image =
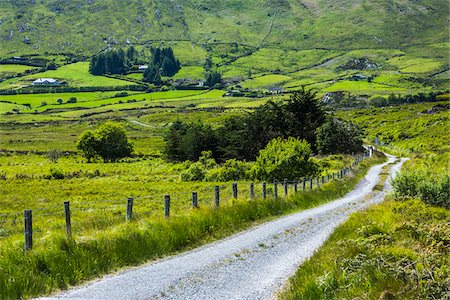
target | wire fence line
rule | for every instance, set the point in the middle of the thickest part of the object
(138, 207)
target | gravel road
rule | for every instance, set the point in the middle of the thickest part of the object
(250, 265)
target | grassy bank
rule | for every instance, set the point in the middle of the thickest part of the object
(395, 250)
(399, 249)
(61, 262)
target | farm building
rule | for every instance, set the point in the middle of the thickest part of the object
(46, 81)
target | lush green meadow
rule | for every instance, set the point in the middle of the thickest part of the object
(40, 168)
(76, 75)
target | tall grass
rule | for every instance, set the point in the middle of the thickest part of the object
(60, 261)
(396, 250)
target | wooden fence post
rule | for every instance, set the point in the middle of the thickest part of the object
(264, 190)
(310, 184)
(166, 206)
(252, 190)
(235, 190)
(295, 186)
(304, 184)
(28, 232)
(323, 180)
(67, 217)
(275, 189)
(129, 216)
(217, 196)
(194, 200)
(285, 185)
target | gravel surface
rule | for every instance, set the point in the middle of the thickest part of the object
(251, 265)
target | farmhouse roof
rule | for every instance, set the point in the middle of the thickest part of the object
(46, 80)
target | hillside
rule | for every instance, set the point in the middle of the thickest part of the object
(396, 46)
(79, 26)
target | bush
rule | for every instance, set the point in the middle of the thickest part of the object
(282, 158)
(110, 142)
(197, 170)
(231, 170)
(121, 94)
(55, 174)
(336, 136)
(431, 190)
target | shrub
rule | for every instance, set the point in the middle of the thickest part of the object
(121, 94)
(232, 169)
(55, 174)
(197, 170)
(431, 190)
(336, 136)
(109, 141)
(284, 158)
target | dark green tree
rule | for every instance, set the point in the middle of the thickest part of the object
(337, 136)
(109, 141)
(304, 115)
(187, 141)
(213, 78)
(152, 75)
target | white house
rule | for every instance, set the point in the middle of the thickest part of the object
(46, 81)
(142, 67)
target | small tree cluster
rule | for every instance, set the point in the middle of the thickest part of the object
(188, 141)
(152, 75)
(284, 158)
(166, 61)
(213, 78)
(109, 141)
(337, 136)
(243, 137)
(109, 62)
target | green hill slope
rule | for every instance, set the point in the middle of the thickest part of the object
(28, 26)
(398, 46)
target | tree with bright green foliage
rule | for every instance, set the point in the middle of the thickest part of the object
(284, 158)
(109, 141)
(337, 136)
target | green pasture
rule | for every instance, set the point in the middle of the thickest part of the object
(190, 72)
(412, 64)
(135, 76)
(363, 87)
(12, 69)
(265, 81)
(36, 100)
(76, 75)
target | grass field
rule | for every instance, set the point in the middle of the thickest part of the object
(76, 75)
(13, 69)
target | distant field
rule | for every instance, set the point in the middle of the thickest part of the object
(265, 81)
(362, 87)
(76, 75)
(190, 72)
(36, 100)
(14, 68)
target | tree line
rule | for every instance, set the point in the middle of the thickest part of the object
(118, 61)
(242, 138)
